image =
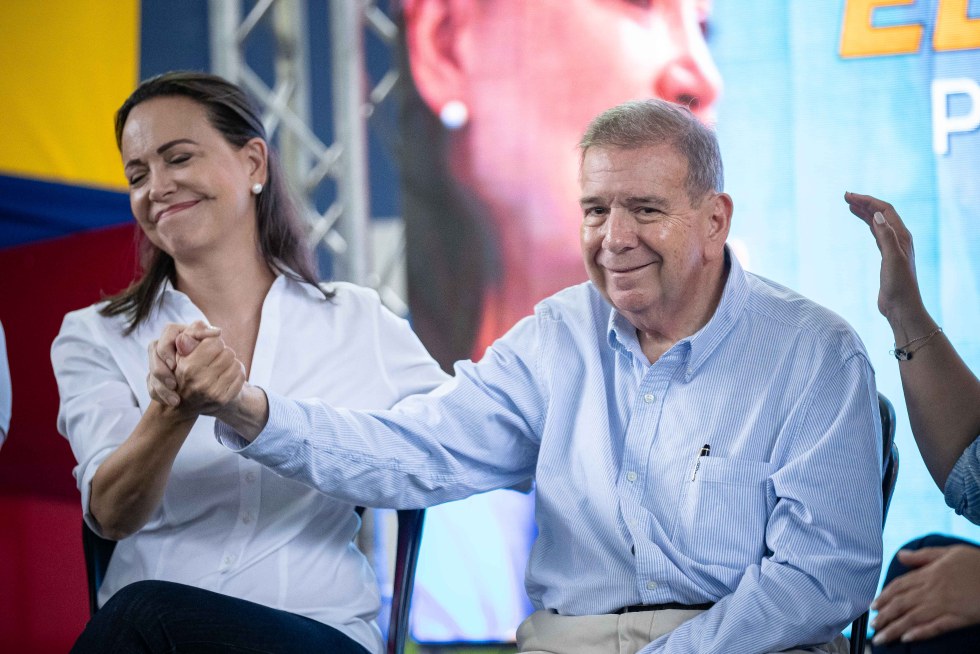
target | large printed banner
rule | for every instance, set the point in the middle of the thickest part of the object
(810, 99)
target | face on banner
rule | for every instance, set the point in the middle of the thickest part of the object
(545, 69)
(531, 76)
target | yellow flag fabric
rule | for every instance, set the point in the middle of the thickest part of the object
(68, 65)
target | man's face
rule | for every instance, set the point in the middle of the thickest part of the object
(539, 71)
(646, 247)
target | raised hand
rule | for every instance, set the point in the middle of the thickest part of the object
(899, 295)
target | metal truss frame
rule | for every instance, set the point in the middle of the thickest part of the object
(344, 228)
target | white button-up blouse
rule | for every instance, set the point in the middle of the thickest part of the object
(228, 524)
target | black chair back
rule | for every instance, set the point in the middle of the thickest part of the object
(97, 551)
(889, 459)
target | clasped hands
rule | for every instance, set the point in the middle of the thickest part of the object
(193, 372)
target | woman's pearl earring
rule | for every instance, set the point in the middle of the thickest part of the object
(256, 188)
(454, 114)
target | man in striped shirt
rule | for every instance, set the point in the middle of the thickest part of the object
(705, 443)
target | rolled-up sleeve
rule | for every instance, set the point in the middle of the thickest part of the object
(962, 490)
(98, 409)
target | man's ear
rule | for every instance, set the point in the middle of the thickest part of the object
(719, 222)
(435, 35)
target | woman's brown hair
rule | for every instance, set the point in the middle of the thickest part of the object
(231, 112)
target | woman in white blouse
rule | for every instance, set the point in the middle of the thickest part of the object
(221, 245)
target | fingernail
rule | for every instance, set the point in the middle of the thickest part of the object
(877, 640)
(170, 363)
(879, 217)
(171, 384)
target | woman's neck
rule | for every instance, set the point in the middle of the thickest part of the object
(226, 287)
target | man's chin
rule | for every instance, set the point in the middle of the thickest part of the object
(629, 301)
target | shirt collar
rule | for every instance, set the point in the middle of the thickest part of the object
(621, 334)
(281, 281)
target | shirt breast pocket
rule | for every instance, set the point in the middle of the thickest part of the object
(722, 515)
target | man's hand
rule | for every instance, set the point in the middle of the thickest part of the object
(940, 595)
(209, 377)
(176, 341)
(899, 290)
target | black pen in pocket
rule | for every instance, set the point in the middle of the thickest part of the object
(705, 451)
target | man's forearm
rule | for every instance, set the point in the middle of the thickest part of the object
(248, 413)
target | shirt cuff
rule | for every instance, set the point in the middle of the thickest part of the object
(277, 440)
(230, 438)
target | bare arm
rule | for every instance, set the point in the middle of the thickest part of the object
(941, 393)
(128, 486)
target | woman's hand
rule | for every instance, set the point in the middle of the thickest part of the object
(210, 376)
(939, 595)
(898, 297)
(161, 381)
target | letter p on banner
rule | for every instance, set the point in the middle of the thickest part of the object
(943, 124)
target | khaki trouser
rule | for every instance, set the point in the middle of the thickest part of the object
(545, 632)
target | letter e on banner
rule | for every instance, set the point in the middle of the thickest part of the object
(954, 29)
(860, 38)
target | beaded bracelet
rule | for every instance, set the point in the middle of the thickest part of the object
(904, 354)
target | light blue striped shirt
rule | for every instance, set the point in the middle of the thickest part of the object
(963, 484)
(780, 525)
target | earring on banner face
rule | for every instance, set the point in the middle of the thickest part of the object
(256, 188)
(454, 114)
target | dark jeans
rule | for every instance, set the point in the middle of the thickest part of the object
(966, 640)
(164, 617)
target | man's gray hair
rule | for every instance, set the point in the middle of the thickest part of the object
(645, 123)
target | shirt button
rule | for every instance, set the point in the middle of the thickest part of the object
(250, 476)
(247, 518)
(229, 560)
(631, 476)
(649, 398)
(651, 585)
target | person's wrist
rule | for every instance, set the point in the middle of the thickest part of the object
(247, 413)
(909, 321)
(175, 414)
(226, 413)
